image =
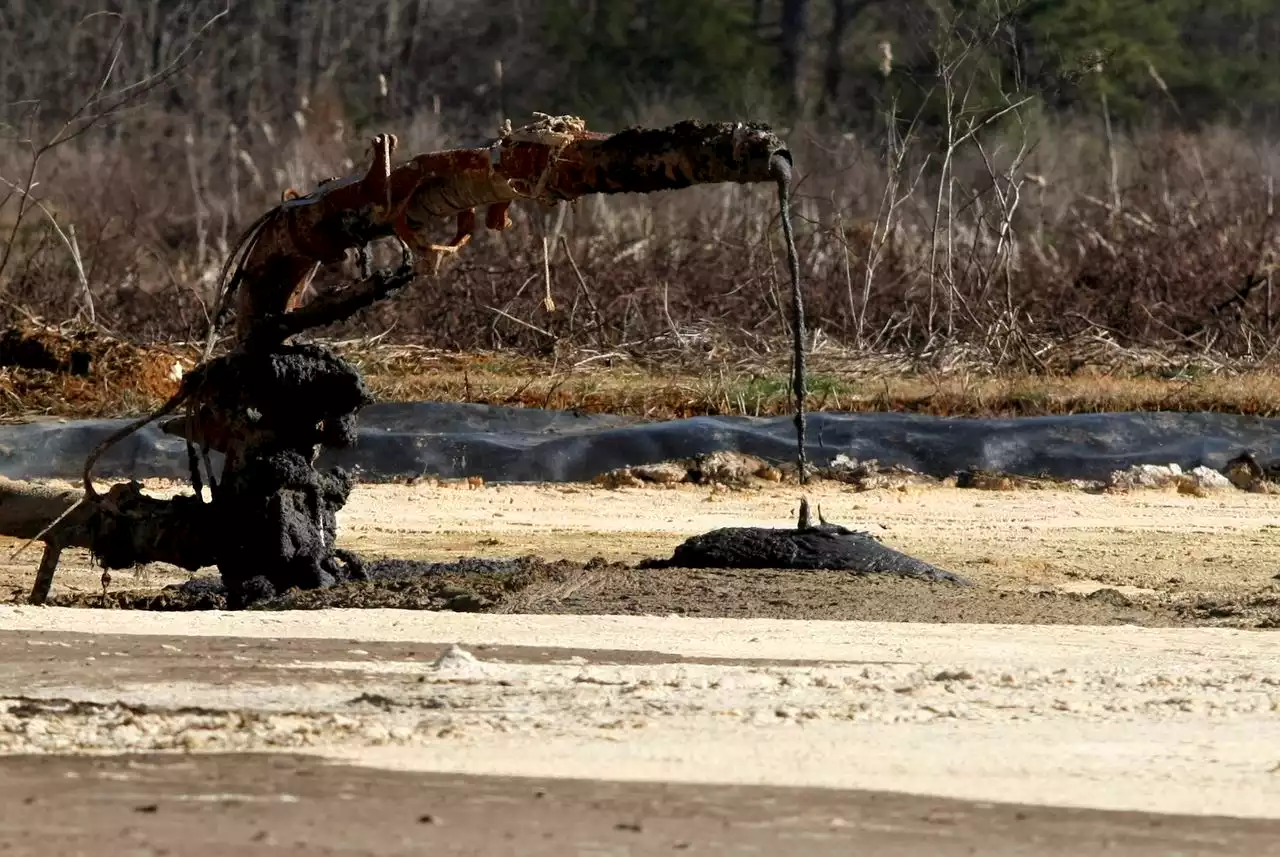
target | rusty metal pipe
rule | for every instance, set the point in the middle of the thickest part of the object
(550, 161)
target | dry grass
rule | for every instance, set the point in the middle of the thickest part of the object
(68, 371)
(1189, 266)
(835, 385)
(126, 379)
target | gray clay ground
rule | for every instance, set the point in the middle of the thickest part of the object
(1062, 707)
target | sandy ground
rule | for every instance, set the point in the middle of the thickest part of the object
(1170, 558)
(1160, 720)
(1069, 539)
(250, 805)
(1089, 712)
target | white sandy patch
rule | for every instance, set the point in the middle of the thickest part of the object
(1177, 768)
(1049, 647)
(1183, 720)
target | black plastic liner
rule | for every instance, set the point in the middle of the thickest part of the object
(398, 441)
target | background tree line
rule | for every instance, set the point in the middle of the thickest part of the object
(987, 170)
(478, 59)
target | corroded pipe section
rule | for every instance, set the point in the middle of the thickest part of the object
(122, 528)
(642, 160)
(554, 159)
(638, 160)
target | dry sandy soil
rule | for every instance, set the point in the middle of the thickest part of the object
(1028, 714)
(1049, 556)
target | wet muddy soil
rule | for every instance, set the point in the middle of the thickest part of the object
(260, 805)
(534, 585)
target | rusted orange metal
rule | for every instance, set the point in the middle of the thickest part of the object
(551, 160)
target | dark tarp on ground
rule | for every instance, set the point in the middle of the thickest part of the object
(527, 445)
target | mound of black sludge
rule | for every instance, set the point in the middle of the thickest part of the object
(807, 547)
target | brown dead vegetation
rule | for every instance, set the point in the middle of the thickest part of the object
(1186, 267)
(75, 371)
(80, 371)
